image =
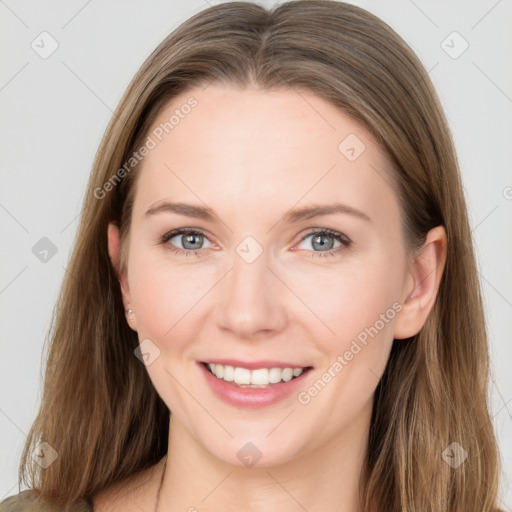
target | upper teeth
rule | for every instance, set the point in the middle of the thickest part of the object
(259, 377)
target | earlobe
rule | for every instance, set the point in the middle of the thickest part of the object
(114, 251)
(422, 284)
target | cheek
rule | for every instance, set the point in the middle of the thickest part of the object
(161, 299)
(168, 297)
(351, 297)
(167, 302)
(357, 306)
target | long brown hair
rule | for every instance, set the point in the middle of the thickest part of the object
(99, 410)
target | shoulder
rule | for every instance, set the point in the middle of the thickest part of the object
(134, 493)
(30, 501)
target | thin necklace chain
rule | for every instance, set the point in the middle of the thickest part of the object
(161, 484)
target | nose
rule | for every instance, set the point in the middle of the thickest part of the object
(254, 303)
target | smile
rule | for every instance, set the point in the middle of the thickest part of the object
(262, 385)
(257, 378)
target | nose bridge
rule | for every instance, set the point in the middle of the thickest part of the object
(252, 295)
(249, 276)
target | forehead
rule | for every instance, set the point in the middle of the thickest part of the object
(247, 148)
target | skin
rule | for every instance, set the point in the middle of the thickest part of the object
(236, 151)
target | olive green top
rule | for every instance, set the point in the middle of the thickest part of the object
(29, 501)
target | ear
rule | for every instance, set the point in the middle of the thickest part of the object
(114, 251)
(421, 284)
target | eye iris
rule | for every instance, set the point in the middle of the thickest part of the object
(190, 239)
(323, 245)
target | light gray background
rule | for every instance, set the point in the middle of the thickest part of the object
(55, 110)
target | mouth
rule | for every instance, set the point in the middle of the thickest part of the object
(256, 378)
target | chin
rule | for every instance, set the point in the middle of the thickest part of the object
(256, 451)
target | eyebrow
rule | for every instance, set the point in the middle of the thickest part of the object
(295, 215)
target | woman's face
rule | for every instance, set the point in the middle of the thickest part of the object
(259, 283)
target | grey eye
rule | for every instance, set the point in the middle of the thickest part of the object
(321, 241)
(189, 240)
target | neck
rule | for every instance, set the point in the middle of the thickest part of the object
(323, 478)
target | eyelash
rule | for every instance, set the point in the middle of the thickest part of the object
(340, 237)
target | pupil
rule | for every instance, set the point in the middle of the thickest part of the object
(323, 245)
(189, 239)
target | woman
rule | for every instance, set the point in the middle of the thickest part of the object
(326, 351)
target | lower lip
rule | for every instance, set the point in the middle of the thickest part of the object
(251, 397)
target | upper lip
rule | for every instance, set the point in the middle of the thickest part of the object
(254, 365)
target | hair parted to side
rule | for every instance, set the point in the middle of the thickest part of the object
(99, 408)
